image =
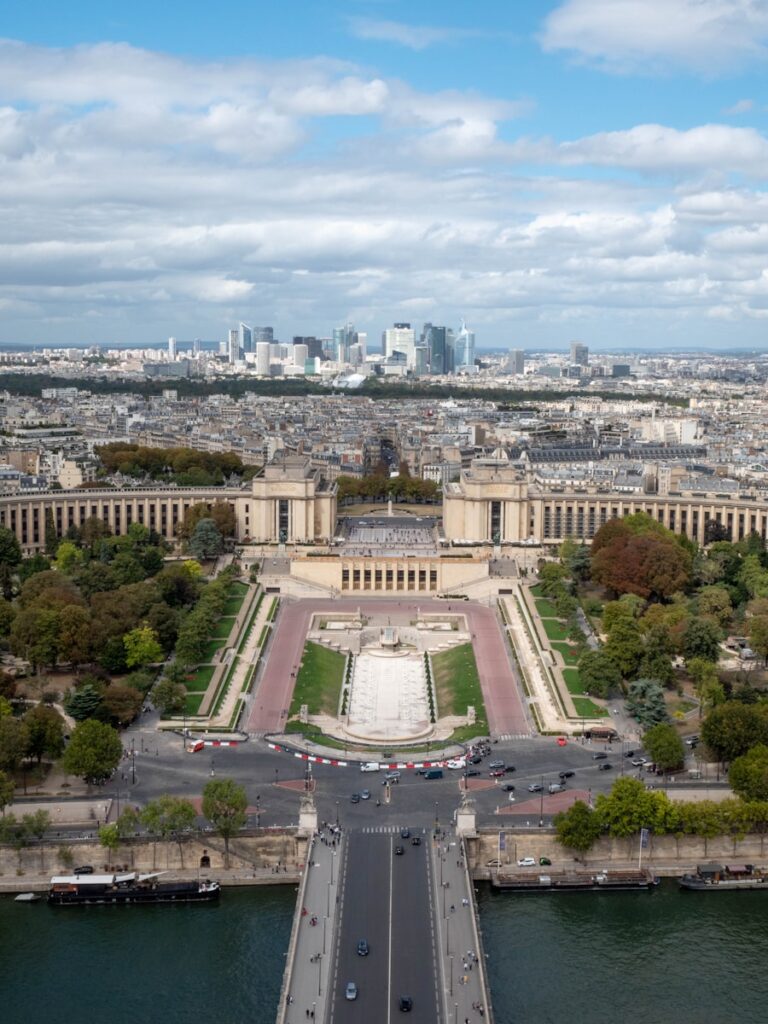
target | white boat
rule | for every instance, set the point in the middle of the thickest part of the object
(27, 897)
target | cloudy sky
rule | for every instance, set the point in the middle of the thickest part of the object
(547, 169)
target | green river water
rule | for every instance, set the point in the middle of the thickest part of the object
(586, 958)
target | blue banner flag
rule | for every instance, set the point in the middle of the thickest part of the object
(644, 837)
(502, 840)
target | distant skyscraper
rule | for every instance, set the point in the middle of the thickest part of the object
(314, 345)
(300, 355)
(263, 334)
(579, 354)
(421, 360)
(465, 347)
(171, 350)
(233, 348)
(400, 338)
(435, 338)
(262, 358)
(197, 347)
(516, 361)
(245, 339)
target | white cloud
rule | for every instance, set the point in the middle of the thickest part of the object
(651, 35)
(740, 107)
(414, 37)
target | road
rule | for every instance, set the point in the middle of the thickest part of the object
(386, 902)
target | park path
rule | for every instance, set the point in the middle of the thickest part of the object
(247, 658)
(503, 700)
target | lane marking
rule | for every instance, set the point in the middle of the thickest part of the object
(389, 952)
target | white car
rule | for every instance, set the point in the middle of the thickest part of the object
(370, 766)
(527, 862)
(458, 763)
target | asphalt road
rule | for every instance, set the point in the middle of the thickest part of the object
(386, 902)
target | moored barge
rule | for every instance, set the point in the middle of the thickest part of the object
(575, 881)
(725, 877)
(127, 888)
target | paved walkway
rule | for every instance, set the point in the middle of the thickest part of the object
(305, 986)
(462, 962)
(250, 654)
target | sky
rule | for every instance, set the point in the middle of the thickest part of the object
(548, 170)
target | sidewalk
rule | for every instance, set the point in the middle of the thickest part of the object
(464, 987)
(305, 986)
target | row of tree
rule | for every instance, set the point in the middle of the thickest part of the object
(187, 467)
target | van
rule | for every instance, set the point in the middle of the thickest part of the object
(556, 787)
(433, 773)
(369, 766)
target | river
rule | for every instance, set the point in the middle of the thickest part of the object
(584, 958)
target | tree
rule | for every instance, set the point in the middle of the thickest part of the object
(45, 728)
(625, 646)
(68, 556)
(109, 837)
(206, 541)
(169, 697)
(758, 635)
(75, 635)
(715, 603)
(51, 536)
(84, 702)
(657, 665)
(7, 787)
(643, 561)
(169, 816)
(122, 703)
(224, 805)
(578, 828)
(748, 774)
(599, 673)
(663, 743)
(628, 808)
(93, 752)
(10, 549)
(142, 647)
(14, 740)
(732, 729)
(701, 639)
(645, 700)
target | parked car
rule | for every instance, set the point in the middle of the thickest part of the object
(493, 863)
(527, 862)
(545, 861)
(84, 869)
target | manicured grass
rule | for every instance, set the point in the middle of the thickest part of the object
(210, 650)
(238, 587)
(546, 609)
(569, 652)
(199, 681)
(319, 680)
(572, 680)
(457, 685)
(537, 590)
(586, 708)
(223, 628)
(233, 605)
(192, 703)
(555, 629)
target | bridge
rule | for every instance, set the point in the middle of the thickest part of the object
(407, 895)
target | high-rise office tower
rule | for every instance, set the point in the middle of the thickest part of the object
(263, 334)
(400, 338)
(245, 339)
(516, 361)
(262, 358)
(436, 340)
(579, 354)
(171, 350)
(421, 360)
(197, 347)
(361, 339)
(314, 345)
(233, 348)
(300, 355)
(464, 347)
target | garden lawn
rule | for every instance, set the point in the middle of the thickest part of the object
(572, 681)
(233, 605)
(569, 652)
(586, 708)
(223, 628)
(555, 629)
(192, 703)
(210, 650)
(546, 609)
(537, 590)
(457, 685)
(319, 680)
(199, 681)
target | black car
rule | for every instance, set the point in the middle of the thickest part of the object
(406, 1004)
(599, 756)
(84, 869)
(509, 769)
(508, 788)
(475, 759)
(355, 798)
(399, 851)
(566, 775)
(362, 948)
(405, 833)
(471, 773)
(630, 753)
(604, 767)
(416, 841)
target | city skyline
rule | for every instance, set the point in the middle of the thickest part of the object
(577, 169)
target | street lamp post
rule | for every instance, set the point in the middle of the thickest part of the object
(213, 767)
(133, 764)
(437, 819)
(451, 977)
(277, 771)
(337, 813)
(541, 804)
(319, 972)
